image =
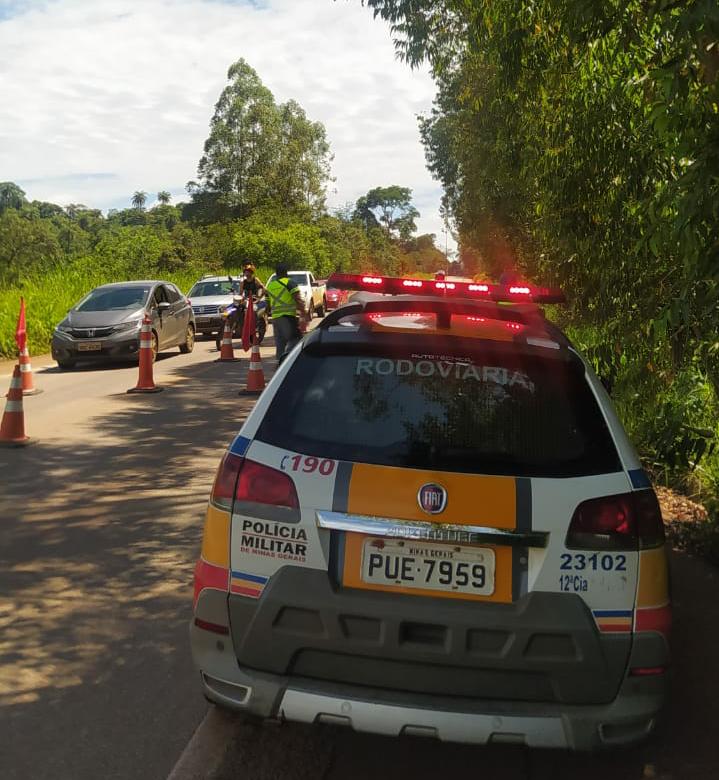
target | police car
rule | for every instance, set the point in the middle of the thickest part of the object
(433, 523)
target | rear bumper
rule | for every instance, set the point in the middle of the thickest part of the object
(626, 720)
(301, 694)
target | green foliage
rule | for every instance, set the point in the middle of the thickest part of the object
(579, 142)
(298, 245)
(25, 241)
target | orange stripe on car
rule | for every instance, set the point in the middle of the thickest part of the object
(383, 491)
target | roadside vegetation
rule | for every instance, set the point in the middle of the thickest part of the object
(578, 143)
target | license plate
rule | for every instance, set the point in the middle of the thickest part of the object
(445, 567)
(89, 346)
(202, 320)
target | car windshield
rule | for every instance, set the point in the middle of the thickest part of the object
(206, 289)
(493, 412)
(114, 298)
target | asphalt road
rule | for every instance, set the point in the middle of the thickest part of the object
(100, 525)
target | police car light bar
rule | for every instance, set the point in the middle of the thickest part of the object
(393, 285)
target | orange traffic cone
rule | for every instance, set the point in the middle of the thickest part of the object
(12, 428)
(255, 373)
(227, 353)
(28, 385)
(145, 382)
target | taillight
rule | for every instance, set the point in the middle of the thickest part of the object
(265, 485)
(650, 526)
(225, 480)
(623, 522)
(266, 493)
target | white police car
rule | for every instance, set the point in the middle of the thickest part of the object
(433, 523)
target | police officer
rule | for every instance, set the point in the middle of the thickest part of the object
(287, 311)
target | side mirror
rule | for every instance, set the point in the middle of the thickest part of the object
(163, 306)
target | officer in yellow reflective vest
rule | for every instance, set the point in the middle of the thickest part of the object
(287, 309)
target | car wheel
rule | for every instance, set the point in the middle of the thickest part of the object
(322, 309)
(311, 312)
(66, 365)
(189, 343)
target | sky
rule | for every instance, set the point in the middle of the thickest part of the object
(100, 98)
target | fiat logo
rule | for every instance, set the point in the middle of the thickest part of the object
(432, 498)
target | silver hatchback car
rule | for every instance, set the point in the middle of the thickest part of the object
(106, 323)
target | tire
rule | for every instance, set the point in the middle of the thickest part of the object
(322, 309)
(311, 312)
(189, 344)
(66, 365)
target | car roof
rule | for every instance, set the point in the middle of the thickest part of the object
(422, 316)
(134, 283)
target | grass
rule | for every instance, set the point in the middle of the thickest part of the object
(49, 297)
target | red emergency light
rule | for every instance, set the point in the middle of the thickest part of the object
(393, 285)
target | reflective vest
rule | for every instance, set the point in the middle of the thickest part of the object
(281, 299)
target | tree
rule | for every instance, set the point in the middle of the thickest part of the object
(389, 206)
(11, 196)
(139, 199)
(26, 244)
(164, 197)
(258, 154)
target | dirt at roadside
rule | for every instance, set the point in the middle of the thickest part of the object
(689, 526)
(677, 508)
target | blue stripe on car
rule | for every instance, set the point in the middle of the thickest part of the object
(639, 479)
(239, 445)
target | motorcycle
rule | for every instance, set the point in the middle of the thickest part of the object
(235, 314)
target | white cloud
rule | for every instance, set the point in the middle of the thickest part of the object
(127, 88)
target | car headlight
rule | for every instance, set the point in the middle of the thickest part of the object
(221, 309)
(64, 328)
(133, 325)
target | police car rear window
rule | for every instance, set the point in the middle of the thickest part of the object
(497, 412)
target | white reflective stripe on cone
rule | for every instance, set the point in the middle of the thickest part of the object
(13, 406)
(25, 368)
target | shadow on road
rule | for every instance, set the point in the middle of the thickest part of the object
(97, 544)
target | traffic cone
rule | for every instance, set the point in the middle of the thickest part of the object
(227, 353)
(255, 373)
(28, 385)
(145, 382)
(12, 428)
